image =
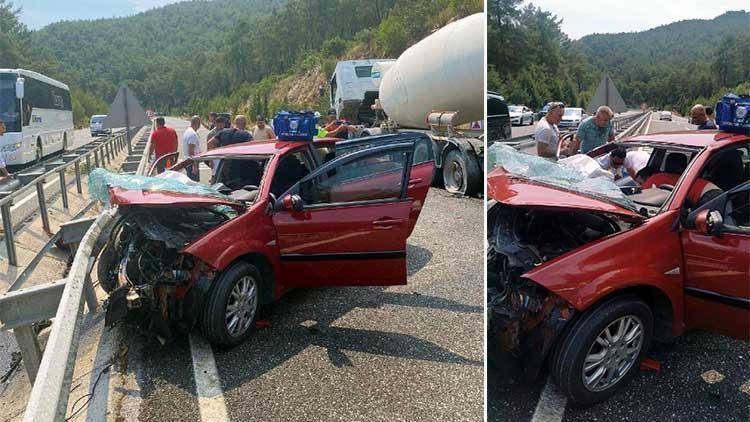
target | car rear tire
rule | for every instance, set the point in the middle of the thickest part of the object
(461, 174)
(626, 324)
(232, 305)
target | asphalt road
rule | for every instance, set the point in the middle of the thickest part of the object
(676, 393)
(404, 353)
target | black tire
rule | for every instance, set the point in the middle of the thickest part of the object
(213, 321)
(106, 268)
(461, 174)
(567, 358)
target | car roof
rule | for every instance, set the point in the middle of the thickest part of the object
(275, 146)
(690, 138)
(267, 147)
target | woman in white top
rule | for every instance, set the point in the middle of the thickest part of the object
(261, 130)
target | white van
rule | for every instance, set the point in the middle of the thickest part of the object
(96, 125)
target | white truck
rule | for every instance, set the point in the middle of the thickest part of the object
(436, 86)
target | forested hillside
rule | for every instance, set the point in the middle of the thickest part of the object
(18, 50)
(251, 56)
(671, 66)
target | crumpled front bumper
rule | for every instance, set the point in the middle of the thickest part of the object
(523, 327)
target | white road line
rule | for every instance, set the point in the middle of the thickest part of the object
(207, 383)
(551, 405)
(648, 125)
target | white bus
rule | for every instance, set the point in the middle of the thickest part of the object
(38, 116)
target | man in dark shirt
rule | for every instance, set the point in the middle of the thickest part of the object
(698, 117)
(234, 135)
(163, 142)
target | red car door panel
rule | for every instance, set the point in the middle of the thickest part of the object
(349, 245)
(717, 282)
(353, 227)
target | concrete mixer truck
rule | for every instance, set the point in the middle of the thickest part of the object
(437, 87)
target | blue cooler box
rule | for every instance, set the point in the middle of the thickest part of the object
(294, 126)
(733, 113)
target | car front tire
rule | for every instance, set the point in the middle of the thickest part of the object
(602, 350)
(231, 307)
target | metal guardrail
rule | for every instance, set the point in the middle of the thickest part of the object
(50, 372)
(621, 125)
(102, 150)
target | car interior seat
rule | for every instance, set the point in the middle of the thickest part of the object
(675, 163)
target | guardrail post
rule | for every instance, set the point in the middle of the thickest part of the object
(10, 244)
(77, 166)
(96, 157)
(88, 163)
(30, 350)
(63, 189)
(90, 295)
(42, 205)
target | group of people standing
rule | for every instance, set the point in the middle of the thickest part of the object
(221, 133)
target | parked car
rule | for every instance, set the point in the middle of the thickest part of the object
(96, 125)
(583, 276)
(287, 215)
(665, 115)
(571, 118)
(521, 115)
(498, 118)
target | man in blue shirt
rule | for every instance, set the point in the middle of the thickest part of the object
(595, 131)
(232, 135)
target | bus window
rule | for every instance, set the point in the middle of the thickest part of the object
(9, 105)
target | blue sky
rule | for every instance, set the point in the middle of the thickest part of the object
(583, 17)
(37, 13)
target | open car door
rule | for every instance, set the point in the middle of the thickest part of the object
(423, 164)
(347, 222)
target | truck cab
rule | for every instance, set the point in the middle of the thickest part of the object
(354, 89)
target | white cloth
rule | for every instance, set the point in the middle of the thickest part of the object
(190, 137)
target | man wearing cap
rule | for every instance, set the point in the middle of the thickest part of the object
(261, 131)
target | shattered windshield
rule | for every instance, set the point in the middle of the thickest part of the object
(100, 180)
(578, 173)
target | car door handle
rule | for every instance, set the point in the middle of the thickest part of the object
(413, 182)
(386, 223)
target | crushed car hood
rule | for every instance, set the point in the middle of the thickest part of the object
(523, 180)
(119, 196)
(167, 189)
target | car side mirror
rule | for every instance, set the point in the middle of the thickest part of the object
(291, 202)
(707, 222)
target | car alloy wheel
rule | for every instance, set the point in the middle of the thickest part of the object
(613, 353)
(241, 306)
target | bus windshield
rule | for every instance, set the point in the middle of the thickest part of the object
(9, 104)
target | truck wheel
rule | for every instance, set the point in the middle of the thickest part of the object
(460, 173)
(602, 350)
(232, 305)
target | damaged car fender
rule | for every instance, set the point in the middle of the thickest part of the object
(252, 231)
(648, 260)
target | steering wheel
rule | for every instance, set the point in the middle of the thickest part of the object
(666, 187)
(250, 187)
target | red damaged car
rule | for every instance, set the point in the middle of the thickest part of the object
(583, 275)
(281, 215)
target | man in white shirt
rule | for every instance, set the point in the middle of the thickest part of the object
(546, 134)
(624, 163)
(191, 146)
